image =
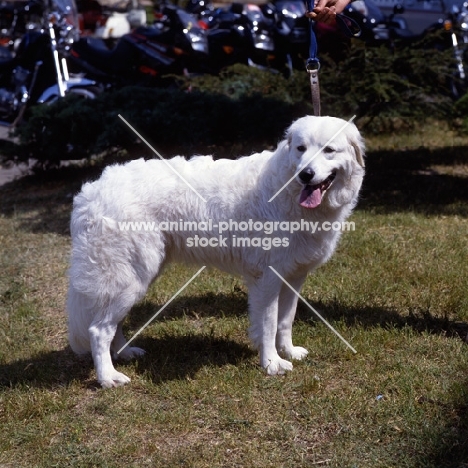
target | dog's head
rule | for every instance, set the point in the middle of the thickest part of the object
(327, 157)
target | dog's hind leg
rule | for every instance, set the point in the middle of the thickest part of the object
(101, 335)
(120, 342)
(105, 332)
(286, 313)
(263, 311)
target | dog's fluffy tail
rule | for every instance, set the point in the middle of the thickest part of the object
(79, 320)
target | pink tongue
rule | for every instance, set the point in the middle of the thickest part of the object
(310, 197)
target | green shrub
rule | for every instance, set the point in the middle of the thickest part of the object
(381, 86)
(170, 119)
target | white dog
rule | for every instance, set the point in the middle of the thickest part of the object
(244, 218)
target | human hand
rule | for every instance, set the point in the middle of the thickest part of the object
(325, 10)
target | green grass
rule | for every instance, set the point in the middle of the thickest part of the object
(395, 289)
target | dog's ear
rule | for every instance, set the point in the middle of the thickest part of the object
(288, 136)
(357, 142)
(359, 150)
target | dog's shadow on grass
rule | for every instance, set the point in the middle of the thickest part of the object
(168, 358)
(419, 320)
(176, 357)
(179, 358)
(179, 353)
(181, 350)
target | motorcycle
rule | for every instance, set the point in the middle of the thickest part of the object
(202, 9)
(36, 71)
(462, 19)
(376, 27)
(291, 34)
(240, 34)
(173, 44)
(16, 18)
(457, 26)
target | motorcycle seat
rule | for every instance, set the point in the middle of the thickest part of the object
(114, 60)
(149, 33)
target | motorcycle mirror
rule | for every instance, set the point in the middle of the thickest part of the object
(398, 9)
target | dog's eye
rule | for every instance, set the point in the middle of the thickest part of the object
(301, 148)
(328, 149)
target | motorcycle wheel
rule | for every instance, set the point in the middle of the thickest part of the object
(90, 92)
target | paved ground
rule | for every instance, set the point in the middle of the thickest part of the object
(7, 175)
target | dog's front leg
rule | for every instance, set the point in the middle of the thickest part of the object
(263, 311)
(286, 313)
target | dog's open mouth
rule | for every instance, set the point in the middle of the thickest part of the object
(311, 195)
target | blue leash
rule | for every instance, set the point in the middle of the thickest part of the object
(313, 63)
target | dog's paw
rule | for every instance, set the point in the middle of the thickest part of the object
(278, 366)
(116, 379)
(130, 353)
(296, 352)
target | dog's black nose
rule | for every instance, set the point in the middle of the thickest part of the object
(306, 175)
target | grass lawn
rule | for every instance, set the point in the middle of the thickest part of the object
(396, 289)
